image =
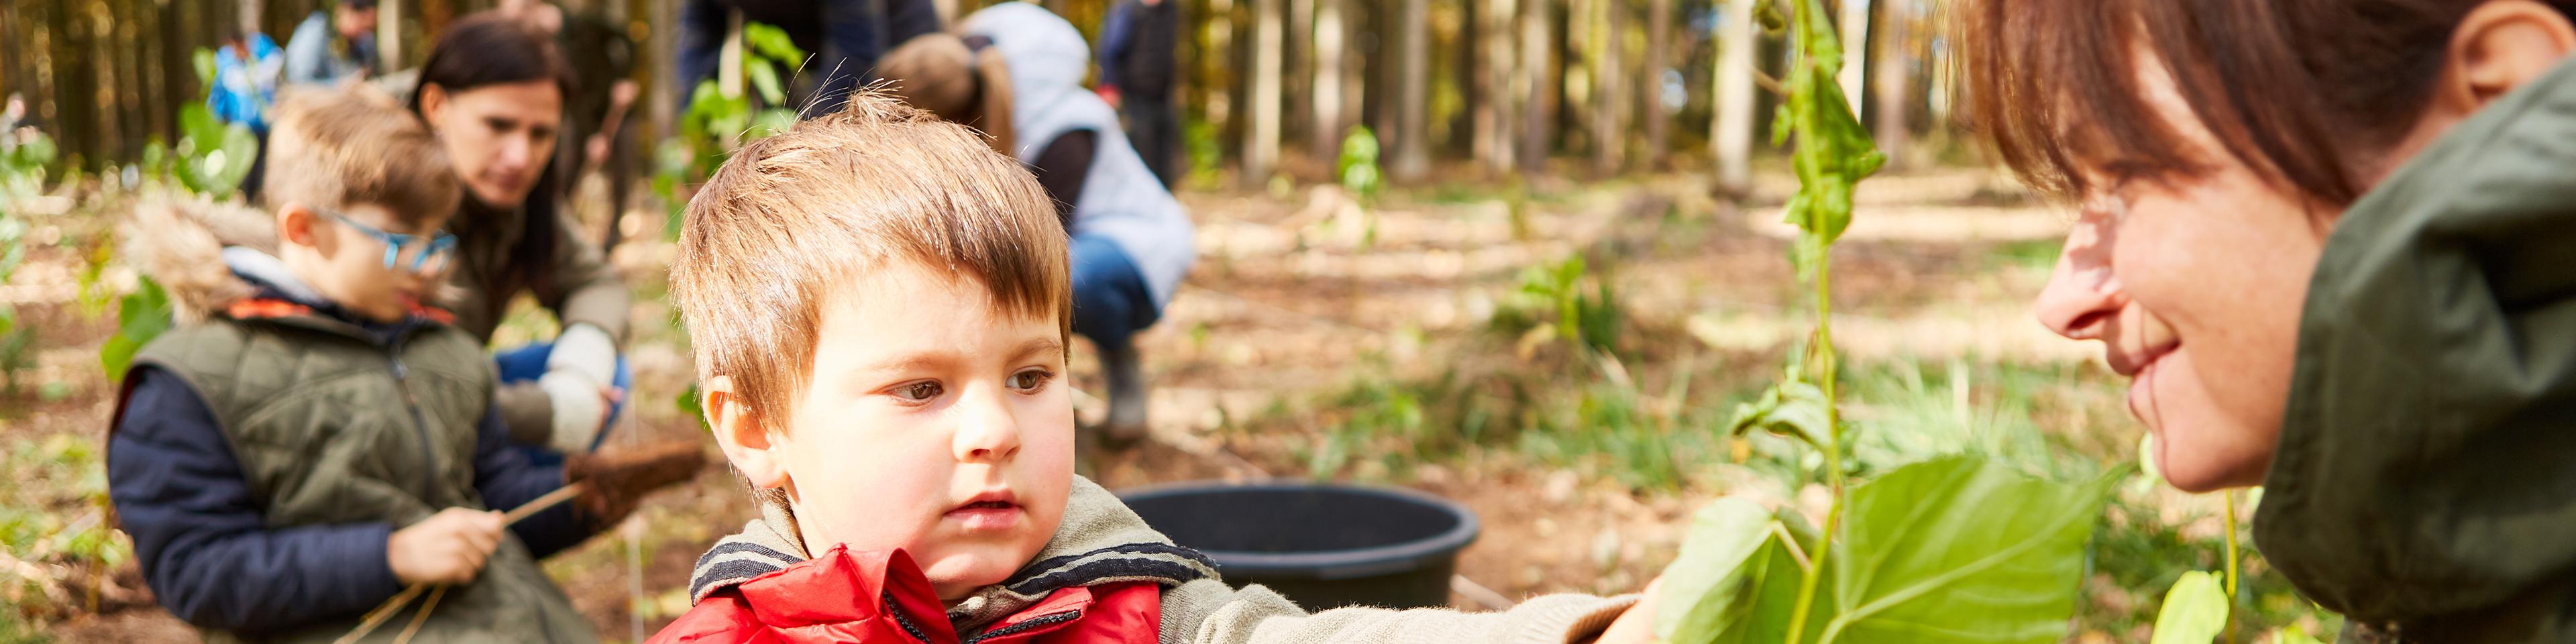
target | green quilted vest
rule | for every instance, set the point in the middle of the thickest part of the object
(331, 427)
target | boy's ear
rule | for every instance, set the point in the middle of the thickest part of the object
(746, 442)
(295, 223)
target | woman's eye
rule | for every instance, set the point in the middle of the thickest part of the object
(1030, 380)
(917, 392)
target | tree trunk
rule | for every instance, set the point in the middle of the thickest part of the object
(1297, 79)
(1609, 118)
(1731, 130)
(1537, 120)
(1890, 85)
(1261, 144)
(1412, 137)
(1323, 131)
(1650, 85)
(1854, 21)
(1498, 89)
(389, 51)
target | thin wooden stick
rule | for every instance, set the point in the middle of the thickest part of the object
(422, 617)
(382, 612)
(386, 610)
(542, 503)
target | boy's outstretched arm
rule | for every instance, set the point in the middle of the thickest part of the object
(507, 480)
(205, 547)
(1206, 611)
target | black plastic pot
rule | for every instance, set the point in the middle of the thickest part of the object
(1323, 546)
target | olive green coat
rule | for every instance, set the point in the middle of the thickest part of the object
(2425, 484)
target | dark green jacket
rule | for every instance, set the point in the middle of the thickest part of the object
(2425, 484)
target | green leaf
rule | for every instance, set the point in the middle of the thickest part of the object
(2195, 610)
(1960, 549)
(765, 79)
(1791, 408)
(2293, 635)
(141, 316)
(772, 43)
(204, 60)
(769, 122)
(240, 147)
(1710, 586)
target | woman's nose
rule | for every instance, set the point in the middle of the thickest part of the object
(2083, 293)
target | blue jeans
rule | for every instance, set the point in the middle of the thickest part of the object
(1110, 301)
(527, 363)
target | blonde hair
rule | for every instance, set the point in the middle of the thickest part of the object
(792, 217)
(341, 147)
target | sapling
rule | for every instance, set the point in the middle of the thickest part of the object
(1956, 548)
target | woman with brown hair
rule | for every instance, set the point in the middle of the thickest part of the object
(2333, 243)
(492, 90)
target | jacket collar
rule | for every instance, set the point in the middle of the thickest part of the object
(277, 295)
(1099, 542)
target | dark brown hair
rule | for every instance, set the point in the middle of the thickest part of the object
(2303, 91)
(489, 48)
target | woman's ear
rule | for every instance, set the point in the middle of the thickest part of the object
(433, 102)
(746, 442)
(2500, 46)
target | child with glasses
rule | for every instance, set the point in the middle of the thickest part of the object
(314, 436)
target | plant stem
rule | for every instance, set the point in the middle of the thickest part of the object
(2230, 497)
(1833, 450)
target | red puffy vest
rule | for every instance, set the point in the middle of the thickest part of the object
(881, 597)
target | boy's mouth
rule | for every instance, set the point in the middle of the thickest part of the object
(993, 510)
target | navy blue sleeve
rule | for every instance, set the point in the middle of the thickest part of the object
(205, 548)
(701, 37)
(508, 480)
(1114, 34)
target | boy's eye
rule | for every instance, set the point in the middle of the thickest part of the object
(917, 392)
(1030, 380)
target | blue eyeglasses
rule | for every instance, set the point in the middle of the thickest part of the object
(423, 254)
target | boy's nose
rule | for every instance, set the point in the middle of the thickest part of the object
(2082, 293)
(987, 430)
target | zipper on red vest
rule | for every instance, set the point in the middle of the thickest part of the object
(1030, 626)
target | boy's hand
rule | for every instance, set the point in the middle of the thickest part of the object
(1637, 626)
(447, 548)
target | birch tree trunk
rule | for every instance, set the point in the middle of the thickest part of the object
(1261, 147)
(1731, 129)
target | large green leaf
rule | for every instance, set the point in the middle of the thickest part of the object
(2195, 610)
(1960, 549)
(1709, 586)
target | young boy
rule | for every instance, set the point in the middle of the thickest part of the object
(311, 438)
(878, 303)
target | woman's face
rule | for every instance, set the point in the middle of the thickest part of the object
(500, 136)
(2193, 284)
